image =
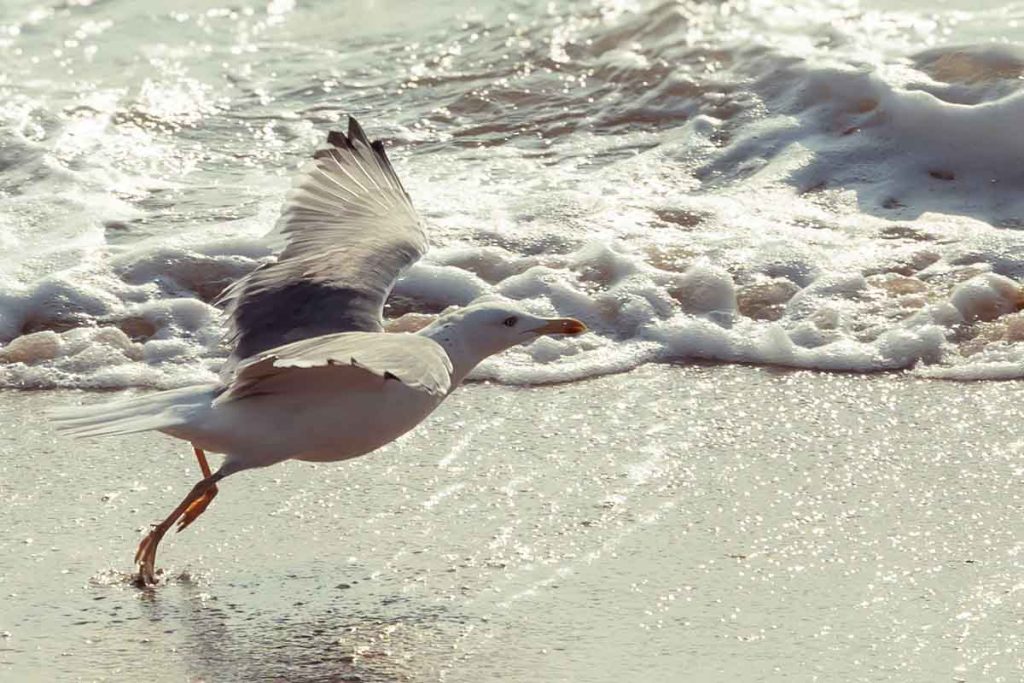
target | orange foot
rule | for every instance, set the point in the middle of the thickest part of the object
(191, 507)
(196, 508)
(145, 557)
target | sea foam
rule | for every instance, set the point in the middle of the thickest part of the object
(749, 186)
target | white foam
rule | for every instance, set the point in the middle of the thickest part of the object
(704, 289)
(978, 371)
(749, 187)
(638, 313)
(987, 297)
(439, 287)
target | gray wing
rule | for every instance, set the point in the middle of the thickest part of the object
(413, 360)
(350, 230)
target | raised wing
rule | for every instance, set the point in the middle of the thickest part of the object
(350, 230)
(414, 360)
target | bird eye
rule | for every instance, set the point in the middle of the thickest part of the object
(510, 322)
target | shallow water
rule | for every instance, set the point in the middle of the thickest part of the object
(830, 185)
(833, 185)
(710, 523)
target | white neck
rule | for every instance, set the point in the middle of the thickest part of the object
(464, 358)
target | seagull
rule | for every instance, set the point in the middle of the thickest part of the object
(312, 375)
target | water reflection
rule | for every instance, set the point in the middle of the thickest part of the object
(345, 639)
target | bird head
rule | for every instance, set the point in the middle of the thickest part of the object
(491, 327)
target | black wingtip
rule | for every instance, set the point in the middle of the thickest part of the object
(355, 132)
(338, 139)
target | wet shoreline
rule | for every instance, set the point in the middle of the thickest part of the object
(719, 522)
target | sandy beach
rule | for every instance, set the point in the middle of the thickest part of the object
(675, 523)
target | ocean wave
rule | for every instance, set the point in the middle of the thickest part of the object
(696, 184)
(943, 318)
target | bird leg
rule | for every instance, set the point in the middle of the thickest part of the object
(145, 557)
(199, 505)
(196, 508)
(201, 457)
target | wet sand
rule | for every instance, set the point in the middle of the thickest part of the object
(704, 523)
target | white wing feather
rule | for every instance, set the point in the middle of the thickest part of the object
(413, 360)
(350, 230)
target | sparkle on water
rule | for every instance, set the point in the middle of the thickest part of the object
(820, 184)
(724, 522)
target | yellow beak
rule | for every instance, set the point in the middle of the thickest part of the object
(561, 326)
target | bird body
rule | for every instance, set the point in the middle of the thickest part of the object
(336, 416)
(312, 376)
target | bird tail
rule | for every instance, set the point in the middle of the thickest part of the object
(161, 410)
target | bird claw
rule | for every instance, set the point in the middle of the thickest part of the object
(145, 558)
